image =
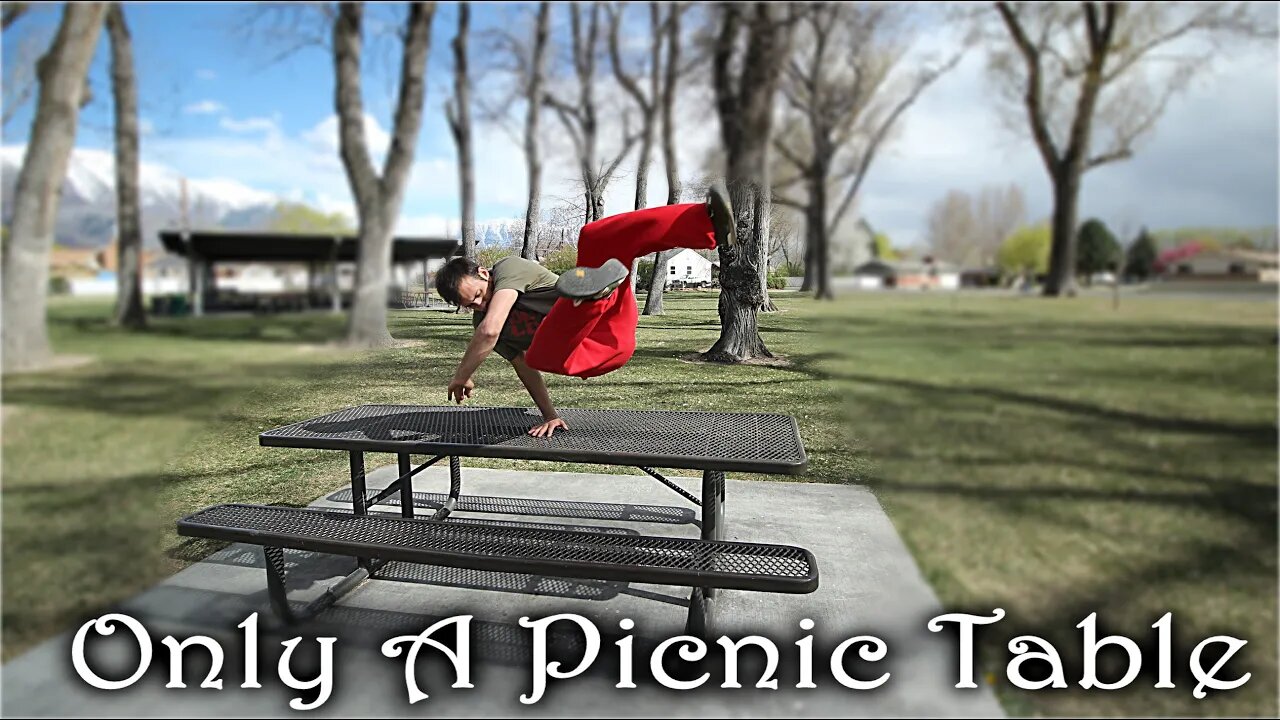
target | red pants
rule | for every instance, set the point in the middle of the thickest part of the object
(599, 336)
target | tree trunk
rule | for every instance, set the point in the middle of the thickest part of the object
(61, 72)
(671, 75)
(533, 98)
(1061, 278)
(642, 183)
(124, 88)
(740, 296)
(744, 105)
(368, 323)
(378, 197)
(810, 271)
(764, 214)
(458, 113)
(819, 236)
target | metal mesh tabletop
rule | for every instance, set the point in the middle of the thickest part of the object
(745, 442)
(554, 552)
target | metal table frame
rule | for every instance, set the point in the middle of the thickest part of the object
(712, 501)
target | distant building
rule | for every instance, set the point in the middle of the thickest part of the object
(1225, 264)
(688, 267)
(926, 274)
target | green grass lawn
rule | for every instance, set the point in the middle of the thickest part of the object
(1052, 458)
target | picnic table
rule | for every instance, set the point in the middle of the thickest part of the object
(714, 443)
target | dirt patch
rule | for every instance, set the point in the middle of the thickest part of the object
(779, 361)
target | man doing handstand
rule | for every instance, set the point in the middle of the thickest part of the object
(582, 323)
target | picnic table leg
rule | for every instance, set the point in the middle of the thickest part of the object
(274, 562)
(455, 489)
(406, 487)
(712, 511)
(358, 498)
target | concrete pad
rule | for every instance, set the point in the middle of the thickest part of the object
(869, 585)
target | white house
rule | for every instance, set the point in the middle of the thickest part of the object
(907, 275)
(688, 266)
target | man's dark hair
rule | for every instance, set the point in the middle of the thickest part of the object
(449, 276)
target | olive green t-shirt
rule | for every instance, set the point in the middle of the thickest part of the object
(537, 288)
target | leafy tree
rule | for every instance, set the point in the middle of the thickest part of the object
(1026, 250)
(299, 218)
(884, 249)
(1141, 258)
(1096, 248)
(644, 274)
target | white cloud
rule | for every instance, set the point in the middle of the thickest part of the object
(146, 127)
(323, 138)
(206, 74)
(249, 125)
(205, 107)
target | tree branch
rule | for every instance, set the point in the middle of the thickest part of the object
(350, 104)
(413, 91)
(789, 202)
(627, 82)
(790, 155)
(927, 78)
(1035, 111)
(11, 11)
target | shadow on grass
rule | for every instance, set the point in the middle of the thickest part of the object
(1257, 433)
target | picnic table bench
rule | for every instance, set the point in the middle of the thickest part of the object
(711, 442)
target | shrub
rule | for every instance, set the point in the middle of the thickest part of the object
(491, 254)
(59, 285)
(644, 275)
(777, 279)
(561, 260)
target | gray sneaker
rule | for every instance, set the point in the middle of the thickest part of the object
(583, 283)
(720, 208)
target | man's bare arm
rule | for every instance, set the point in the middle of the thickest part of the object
(484, 339)
(537, 388)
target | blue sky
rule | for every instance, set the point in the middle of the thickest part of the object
(216, 107)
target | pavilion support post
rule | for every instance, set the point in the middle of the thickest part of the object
(335, 293)
(197, 284)
(195, 277)
(311, 283)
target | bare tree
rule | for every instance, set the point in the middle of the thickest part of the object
(969, 230)
(378, 197)
(751, 45)
(670, 31)
(61, 73)
(646, 99)
(124, 90)
(524, 60)
(533, 97)
(580, 118)
(1080, 71)
(843, 106)
(952, 229)
(458, 113)
(998, 211)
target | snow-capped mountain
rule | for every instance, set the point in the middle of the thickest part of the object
(87, 211)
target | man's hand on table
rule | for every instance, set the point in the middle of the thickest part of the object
(460, 389)
(548, 428)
